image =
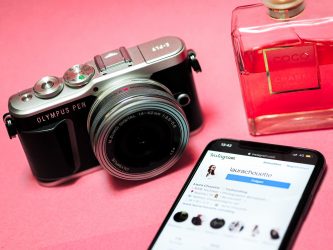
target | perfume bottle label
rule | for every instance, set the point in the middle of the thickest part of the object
(291, 69)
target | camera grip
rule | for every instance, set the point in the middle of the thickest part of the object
(52, 151)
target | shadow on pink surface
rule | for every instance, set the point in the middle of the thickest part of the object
(113, 240)
(116, 184)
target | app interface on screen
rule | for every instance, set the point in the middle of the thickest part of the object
(236, 202)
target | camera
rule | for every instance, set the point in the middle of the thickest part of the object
(129, 110)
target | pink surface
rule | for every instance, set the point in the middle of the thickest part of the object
(38, 38)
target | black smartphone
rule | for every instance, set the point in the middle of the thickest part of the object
(243, 195)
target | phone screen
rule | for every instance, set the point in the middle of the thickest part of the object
(241, 198)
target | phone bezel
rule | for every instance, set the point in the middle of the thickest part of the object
(303, 205)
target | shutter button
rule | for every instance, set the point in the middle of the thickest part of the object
(48, 87)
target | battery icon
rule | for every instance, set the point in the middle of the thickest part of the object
(308, 156)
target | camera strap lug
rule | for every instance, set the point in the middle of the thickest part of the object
(194, 61)
(10, 125)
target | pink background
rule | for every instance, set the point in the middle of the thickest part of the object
(38, 38)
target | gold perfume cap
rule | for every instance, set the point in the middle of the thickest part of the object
(282, 4)
(284, 9)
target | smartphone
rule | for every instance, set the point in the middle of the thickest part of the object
(243, 195)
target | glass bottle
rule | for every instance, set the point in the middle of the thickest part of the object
(284, 54)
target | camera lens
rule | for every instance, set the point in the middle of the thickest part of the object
(137, 130)
(144, 142)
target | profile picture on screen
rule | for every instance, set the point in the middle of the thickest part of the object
(211, 170)
(217, 223)
(255, 231)
(236, 226)
(180, 216)
(197, 220)
(274, 234)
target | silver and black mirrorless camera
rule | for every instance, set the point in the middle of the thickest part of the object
(128, 110)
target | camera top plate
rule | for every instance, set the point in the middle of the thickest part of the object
(107, 69)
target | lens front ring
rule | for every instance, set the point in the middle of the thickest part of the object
(107, 124)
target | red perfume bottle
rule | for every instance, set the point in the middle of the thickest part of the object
(284, 54)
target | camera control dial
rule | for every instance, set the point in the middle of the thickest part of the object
(78, 75)
(47, 87)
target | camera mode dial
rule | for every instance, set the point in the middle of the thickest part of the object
(79, 75)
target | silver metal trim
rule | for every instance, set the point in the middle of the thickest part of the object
(99, 63)
(125, 54)
(120, 85)
(102, 80)
(158, 51)
(112, 59)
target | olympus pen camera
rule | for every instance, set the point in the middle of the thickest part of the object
(129, 110)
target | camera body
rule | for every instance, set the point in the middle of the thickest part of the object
(102, 113)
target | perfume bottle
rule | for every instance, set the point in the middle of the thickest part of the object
(284, 54)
